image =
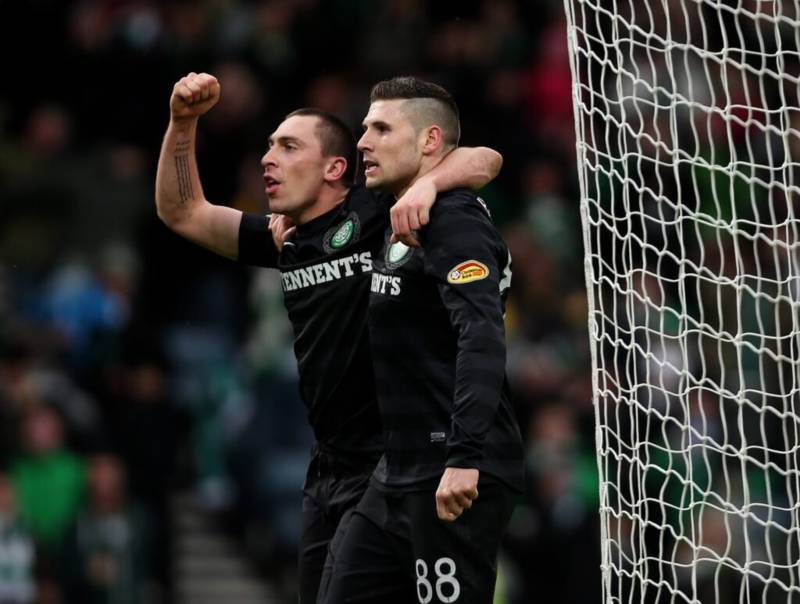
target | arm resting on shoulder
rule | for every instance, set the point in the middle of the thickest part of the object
(471, 167)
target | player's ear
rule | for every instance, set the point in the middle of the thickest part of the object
(335, 168)
(431, 139)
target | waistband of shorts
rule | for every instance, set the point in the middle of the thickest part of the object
(337, 460)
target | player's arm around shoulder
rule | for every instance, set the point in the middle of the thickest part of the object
(470, 167)
(180, 201)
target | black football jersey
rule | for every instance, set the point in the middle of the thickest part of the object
(438, 341)
(325, 271)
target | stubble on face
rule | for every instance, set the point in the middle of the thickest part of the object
(389, 146)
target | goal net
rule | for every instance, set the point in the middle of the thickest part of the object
(688, 149)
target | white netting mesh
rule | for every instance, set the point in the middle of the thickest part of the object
(688, 127)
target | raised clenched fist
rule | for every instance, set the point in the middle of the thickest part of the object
(193, 95)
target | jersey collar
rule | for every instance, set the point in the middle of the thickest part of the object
(323, 221)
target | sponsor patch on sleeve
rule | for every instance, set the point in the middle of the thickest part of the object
(470, 270)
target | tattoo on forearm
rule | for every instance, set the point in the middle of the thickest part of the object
(184, 177)
(182, 147)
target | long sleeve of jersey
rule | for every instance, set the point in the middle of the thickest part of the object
(256, 246)
(468, 260)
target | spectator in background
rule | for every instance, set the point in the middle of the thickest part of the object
(107, 555)
(48, 477)
(548, 533)
(141, 406)
(396, 39)
(79, 307)
(548, 84)
(17, 554)
(35, 382)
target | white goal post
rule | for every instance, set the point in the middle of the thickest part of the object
(687, 115)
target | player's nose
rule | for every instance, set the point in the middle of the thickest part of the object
(364, 143)
(268, 158)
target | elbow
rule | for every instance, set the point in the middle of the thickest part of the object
(167, 215)
(485, 165)
(494, 162)
(163, 215)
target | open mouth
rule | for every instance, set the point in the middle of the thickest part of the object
(370, 167)
(272, 185)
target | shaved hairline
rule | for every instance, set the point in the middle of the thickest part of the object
(424, 112)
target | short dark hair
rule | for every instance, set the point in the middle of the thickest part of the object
(336, 139)
(445, 110)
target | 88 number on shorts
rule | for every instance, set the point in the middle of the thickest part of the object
(444, 583)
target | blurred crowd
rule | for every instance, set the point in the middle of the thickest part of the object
(134, 365)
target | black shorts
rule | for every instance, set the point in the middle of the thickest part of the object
(333, 488)
(395, 550)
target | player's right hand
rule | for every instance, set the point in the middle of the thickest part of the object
(281, 228)
(458, 488)
(193, 95)
(412, 212)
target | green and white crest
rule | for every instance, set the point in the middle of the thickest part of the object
(342, 234)
(397, 251)
(397, 254)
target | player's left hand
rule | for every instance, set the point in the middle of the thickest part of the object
(458, 488)
(281, 228)
(412, 212)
